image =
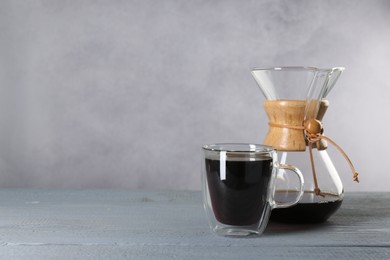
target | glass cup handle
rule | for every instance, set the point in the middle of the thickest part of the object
(301, 181)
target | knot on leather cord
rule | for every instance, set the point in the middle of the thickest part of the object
(314, 132)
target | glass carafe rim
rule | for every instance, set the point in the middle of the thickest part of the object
(298, 68)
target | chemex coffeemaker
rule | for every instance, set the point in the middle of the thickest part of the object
(295, 105)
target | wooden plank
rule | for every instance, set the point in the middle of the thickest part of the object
(105, 224)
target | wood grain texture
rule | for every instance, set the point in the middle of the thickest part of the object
(323, 107)
(292, 113)
(105, 224)
(285, 112)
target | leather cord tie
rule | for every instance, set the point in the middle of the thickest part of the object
(314, 132)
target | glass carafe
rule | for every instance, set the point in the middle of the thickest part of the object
(294, 95)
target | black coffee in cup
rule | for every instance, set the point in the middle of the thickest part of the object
(239, 192)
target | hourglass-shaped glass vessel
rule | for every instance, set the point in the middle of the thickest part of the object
(293, 96)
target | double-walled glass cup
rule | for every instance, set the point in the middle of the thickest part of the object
(238, 183)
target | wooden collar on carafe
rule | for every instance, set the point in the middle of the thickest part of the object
(314, 132)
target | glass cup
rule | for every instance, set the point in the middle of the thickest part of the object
(238, 184)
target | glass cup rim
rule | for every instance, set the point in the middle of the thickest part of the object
(245, 148)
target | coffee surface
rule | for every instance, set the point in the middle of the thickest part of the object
(239, 195)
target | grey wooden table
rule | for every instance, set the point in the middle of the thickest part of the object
(107, 224)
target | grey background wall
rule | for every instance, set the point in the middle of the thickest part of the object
(122, 94)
